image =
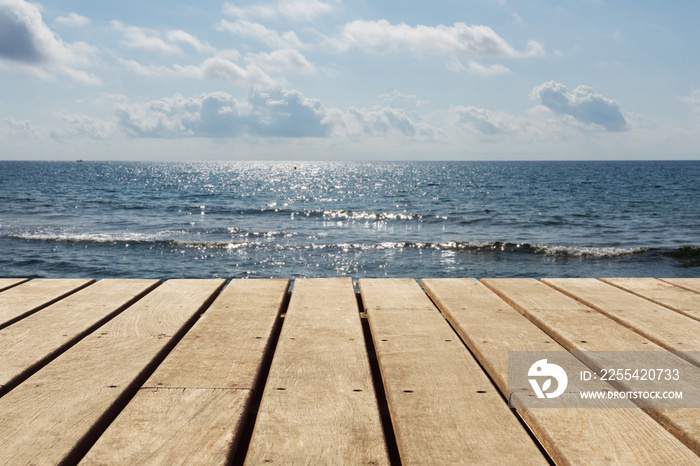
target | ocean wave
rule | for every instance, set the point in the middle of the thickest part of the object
(472, 221)
(265, 240)
(289, 211)
(361, 215)
(268, 234)
(160, 238)
(587, 251)
(550, 250)
(95, 238)
(686, 252)
(228, 245)
(497, 247)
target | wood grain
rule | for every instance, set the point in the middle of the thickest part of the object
(443, 407)
(666, 328)
(28, 297)
(6, 283)
(173, 426)
(575, 326)
(192, 408)
(319, 405)
(673, 297)
(579, 328)
(31, 342)
(692, 284)
(58, 412)
(226, 346)
(491, 329)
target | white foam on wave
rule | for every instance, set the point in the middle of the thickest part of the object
(360, 215)
(101, 238)
(170, 237)
(588, 251)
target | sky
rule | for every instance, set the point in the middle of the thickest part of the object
(349, 80)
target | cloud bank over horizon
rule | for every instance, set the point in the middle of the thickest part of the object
(314, 70)
(277, 113)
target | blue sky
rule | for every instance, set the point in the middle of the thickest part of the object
(360, 80)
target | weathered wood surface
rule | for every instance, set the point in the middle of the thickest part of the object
(666, 328)
(579, 328)
(319, 405)
(444, 409)
(673, 297)
(176, 426)
(692, 284)
(28, 297)
(491, 329)
(6, 283)
(59, 411)
(127, 372)
(31, 342)
(192, 408)
(572, 324)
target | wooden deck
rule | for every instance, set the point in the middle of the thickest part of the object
(207, 372)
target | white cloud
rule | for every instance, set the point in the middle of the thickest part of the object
(282, 60)
(24, 127)
(79, 75)
(272, 113)
(486, 122)
(220, 68)
(145, 39)
(295, 10)
(264, 113)
(153, 41)
(186, 38)
(383, 37)
(264, 11)
(692, 100)
(84, 125)
(397, 99)
(487, 70)
(72, 20)
(149, 71)
(24, 36)
(262, 34)
(229, 54)
(534, 49)
(477, 69)
(28, 43)
(382, 121)
(211, 68)
(583, 104)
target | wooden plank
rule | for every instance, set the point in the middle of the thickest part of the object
(444, 409)
(192, 409)
(319, 404)
(666, 328)
(57, 413)
(556, 314)
(26, 298)
(692, 284)
(665, 294)
(579, 328)
(173, 426)
(30, 343)
(226, 347)
(491, 329)
(6, 283)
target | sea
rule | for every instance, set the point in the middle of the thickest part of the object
(349, 219)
